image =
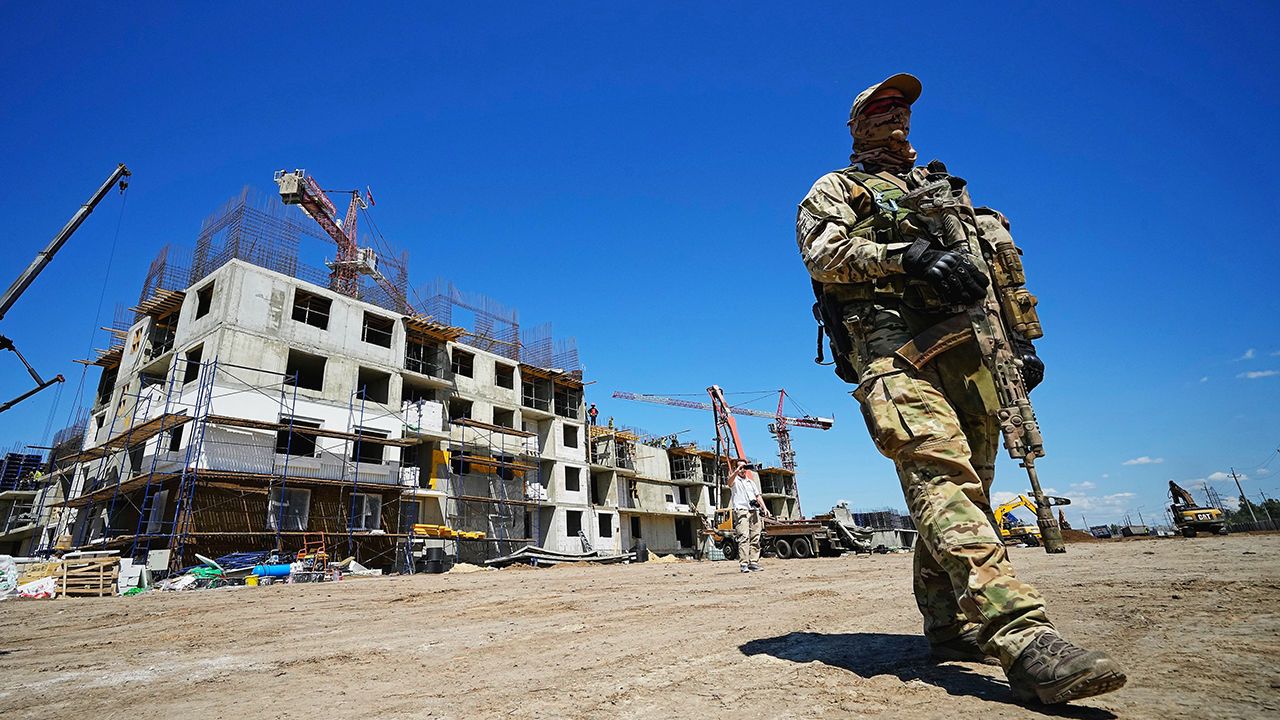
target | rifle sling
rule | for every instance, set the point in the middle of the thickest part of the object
(937, 339)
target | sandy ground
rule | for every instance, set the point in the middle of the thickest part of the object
(1195, 622)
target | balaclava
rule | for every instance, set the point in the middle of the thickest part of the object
(880, 140)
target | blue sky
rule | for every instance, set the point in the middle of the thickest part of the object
(630, 172)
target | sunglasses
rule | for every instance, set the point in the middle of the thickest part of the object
(883, 105)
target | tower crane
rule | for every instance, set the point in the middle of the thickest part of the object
(780, 428)
(352, 261)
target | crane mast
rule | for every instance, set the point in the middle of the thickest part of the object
(352, 261)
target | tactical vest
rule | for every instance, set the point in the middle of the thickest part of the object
(915, 294)
(834, 298)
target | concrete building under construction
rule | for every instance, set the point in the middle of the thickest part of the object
(250, 401)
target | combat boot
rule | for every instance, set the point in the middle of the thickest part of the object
(1053, 670)
(961, 648)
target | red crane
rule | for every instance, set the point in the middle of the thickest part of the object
(780, 428)
(352, 261)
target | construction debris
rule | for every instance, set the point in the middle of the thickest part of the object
(536, 556)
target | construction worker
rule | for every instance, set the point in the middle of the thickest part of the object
(881, 286)
(748, 506)
(592, 414)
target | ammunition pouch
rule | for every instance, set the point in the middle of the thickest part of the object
(1017, 304)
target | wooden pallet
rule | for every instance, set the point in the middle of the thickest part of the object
(88, 577)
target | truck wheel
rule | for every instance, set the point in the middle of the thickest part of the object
(801, 548)
(782, 548)
(1188, 532)
(729, 547)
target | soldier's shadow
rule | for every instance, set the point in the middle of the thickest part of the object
(906, 657)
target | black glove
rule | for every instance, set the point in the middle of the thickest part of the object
(1032, 365)
(954, 276)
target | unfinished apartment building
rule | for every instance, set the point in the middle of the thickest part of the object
(666, 494)
(246, 406)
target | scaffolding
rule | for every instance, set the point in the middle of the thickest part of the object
(173, 473)
(495, 486)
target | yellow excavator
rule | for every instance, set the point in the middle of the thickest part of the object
(1013, 529)
(1191, 518)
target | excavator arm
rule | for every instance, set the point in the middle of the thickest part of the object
(1180, 495)
(1003, 511)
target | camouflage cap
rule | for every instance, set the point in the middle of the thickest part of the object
(907, 84)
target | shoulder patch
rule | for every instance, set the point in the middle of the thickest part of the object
(806, 222)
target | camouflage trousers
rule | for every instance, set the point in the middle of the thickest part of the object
(938, 427)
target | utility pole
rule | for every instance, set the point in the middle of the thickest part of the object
(1264, 505)
(1140, 520)
(1244, 499)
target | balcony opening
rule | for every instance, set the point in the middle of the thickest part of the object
(599, 488)
(160, 336)
(572, 523)
(572, 479)
(424, 357)
(536, 393)
(504, 418)
(684, 532)
(568, 402)
(412, 392)
(192, 371)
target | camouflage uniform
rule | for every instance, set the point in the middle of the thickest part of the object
(937, 424)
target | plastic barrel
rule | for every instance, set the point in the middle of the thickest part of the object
(272, 570)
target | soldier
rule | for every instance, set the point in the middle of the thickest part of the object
(885, 290)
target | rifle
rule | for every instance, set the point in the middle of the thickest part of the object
(1007, 312)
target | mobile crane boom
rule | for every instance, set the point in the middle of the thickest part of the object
(41, 261)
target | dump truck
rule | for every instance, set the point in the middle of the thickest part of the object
(1191, 518)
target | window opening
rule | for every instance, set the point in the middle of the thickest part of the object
(311, 309)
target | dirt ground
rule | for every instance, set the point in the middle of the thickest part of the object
(1195, 622)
